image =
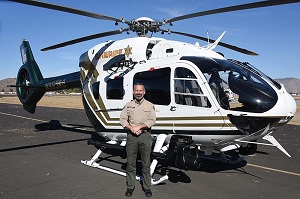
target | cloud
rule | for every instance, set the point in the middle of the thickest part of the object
(171, 12)
(69, 56)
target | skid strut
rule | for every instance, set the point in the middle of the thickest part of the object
(157, 148)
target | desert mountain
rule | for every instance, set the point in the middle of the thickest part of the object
(292, 85)
(5, 82)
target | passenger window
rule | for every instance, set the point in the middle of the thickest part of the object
(157, 85)
(114, 89)
(187, 90)
(95, 89)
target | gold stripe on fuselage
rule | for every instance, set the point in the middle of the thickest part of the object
(214, 121)
(108, 121)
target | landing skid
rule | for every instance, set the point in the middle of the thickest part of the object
(159, 151)
(157, 148)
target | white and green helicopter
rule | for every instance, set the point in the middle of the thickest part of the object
(186, 83)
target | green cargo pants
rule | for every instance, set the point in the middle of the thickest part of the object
(143, 144)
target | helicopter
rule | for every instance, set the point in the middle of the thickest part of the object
(196, 119)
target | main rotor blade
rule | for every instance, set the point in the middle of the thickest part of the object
(235, 48)
(86, 38)
(66, 9)
(233, 8)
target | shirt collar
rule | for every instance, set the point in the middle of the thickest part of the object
(139, 102)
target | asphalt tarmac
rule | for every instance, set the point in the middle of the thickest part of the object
(42, 160)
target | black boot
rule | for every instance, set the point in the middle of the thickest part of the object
(129, 192)
(148, 193)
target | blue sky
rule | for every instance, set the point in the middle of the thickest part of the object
(272, 32)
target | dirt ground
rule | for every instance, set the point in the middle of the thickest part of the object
(75, 101)
(64, 101)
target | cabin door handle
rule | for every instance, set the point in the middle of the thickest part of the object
(173, 108)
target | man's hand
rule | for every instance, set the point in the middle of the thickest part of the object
(136, 130)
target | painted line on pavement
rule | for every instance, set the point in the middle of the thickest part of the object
(38, 120)
(28, 118)
(276, 170)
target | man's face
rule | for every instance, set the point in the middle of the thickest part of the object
(139, 92)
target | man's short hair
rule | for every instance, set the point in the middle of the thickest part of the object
(136, 84)
(139, 84)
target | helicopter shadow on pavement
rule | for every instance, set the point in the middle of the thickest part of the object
(56, 125)
(179, 175)
(74, 128)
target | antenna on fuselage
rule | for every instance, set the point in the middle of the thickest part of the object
(207, 38)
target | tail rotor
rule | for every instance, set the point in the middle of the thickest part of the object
(24, 89)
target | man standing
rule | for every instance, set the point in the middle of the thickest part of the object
(137, 118)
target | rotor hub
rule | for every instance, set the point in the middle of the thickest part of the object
(143, 25)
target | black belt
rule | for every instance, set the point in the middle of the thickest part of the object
(146, 131)
(143, 131)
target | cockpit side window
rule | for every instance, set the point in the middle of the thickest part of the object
(247, 88)
(187, 90)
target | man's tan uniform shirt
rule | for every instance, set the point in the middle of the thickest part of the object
(136, 113)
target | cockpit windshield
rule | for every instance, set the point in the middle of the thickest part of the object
(237, 85)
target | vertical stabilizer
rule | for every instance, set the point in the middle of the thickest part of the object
(28, 79)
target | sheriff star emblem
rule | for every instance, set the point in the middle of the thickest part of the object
(128, 51)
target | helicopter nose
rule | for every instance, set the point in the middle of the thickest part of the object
(291, 107)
